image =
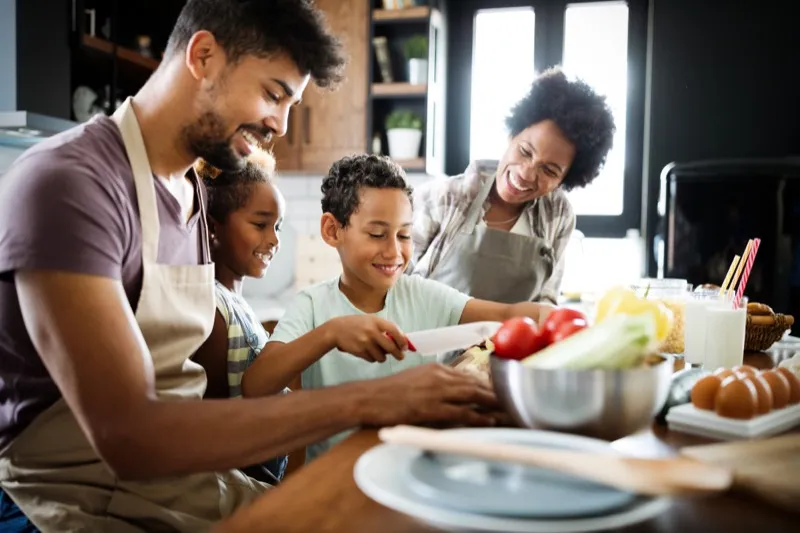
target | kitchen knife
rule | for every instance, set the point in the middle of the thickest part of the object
(443, 340)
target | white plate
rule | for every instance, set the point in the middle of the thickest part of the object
(381, 473)
(513, 490)
(687, 418)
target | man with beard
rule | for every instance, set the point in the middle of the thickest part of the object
(106, 291)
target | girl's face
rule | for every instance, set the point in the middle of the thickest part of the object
(247, 241)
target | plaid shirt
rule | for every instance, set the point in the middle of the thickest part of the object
(440, 207)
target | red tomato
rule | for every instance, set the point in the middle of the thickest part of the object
(562, 315)
(518, 338)
(567, 328)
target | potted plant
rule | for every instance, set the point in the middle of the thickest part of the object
(415, 50)
(404, 133)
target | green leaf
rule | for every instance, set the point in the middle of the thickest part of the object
(403, 118)
(416, 47)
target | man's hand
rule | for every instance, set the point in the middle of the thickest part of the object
(431, 393)
(368, 337)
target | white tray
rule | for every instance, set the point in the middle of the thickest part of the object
(687, 418)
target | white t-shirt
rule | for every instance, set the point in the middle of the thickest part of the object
(413, 304)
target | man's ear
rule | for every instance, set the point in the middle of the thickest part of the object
(330, 229)
(204, 57)
(213, 225)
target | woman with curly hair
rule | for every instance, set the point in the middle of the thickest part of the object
(499, 230)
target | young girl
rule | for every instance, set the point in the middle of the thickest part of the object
(245, 212)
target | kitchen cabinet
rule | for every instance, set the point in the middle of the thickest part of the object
(392, 88)
(116, 46)
(331, 124)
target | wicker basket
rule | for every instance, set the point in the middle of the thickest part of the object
(759, 337)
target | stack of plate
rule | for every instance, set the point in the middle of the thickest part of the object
(460, 493)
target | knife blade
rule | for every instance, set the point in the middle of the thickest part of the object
(460, 337)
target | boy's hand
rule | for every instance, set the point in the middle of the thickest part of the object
(368, 337)
(431, 393)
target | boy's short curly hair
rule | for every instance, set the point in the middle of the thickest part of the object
(228, 191)
(581, 113)
(347, 176)
(264, 27)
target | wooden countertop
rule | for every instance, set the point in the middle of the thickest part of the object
(323, 497)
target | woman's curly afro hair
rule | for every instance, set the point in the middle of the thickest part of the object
(581, 113)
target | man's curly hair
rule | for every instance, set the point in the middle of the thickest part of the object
(262, 28)
(582, 114)
(347, 176)
(228, 191)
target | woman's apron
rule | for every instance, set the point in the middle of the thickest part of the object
(491, 264)
(52, 472)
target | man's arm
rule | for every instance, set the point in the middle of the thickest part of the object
(106, 377)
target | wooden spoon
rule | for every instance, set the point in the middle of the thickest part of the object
(654, 477)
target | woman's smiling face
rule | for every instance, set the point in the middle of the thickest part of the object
(535, 163)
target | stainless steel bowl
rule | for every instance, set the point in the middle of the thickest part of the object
(606, 404)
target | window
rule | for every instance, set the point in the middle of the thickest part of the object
(502, 70)
(496, 49)
(596, 50)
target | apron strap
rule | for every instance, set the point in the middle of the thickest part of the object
(142, 178)
(476, 207)
(205, 233)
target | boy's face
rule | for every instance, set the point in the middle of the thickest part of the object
(375, 247)
(248, 240)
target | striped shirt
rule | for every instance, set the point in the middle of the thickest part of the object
(246, 335)
(246, 339)
(441, 205)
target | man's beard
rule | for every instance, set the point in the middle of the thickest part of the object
(206, 138)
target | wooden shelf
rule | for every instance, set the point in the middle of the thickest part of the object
(413, 165)
(387, 90)
(123, 54)
(409, 14)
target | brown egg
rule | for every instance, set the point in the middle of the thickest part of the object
(763, 393)
(704, 391)
(794, 384)
(736, 398)
(747, 369)
(780, 388)
(723, 372)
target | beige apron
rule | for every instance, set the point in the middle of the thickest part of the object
(51, 471)
(492, 264)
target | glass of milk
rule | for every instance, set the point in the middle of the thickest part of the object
(725, 331)
(695, 315)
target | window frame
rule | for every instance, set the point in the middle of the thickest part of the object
(548, 52)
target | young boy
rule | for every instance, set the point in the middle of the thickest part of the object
(367, 217)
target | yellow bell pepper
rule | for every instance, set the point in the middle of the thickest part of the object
(624, 301)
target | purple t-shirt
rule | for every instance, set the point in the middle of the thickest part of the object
(69, 204)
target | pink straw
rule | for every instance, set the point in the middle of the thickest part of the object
(746, 274)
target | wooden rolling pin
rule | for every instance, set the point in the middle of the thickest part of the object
(654, 477)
